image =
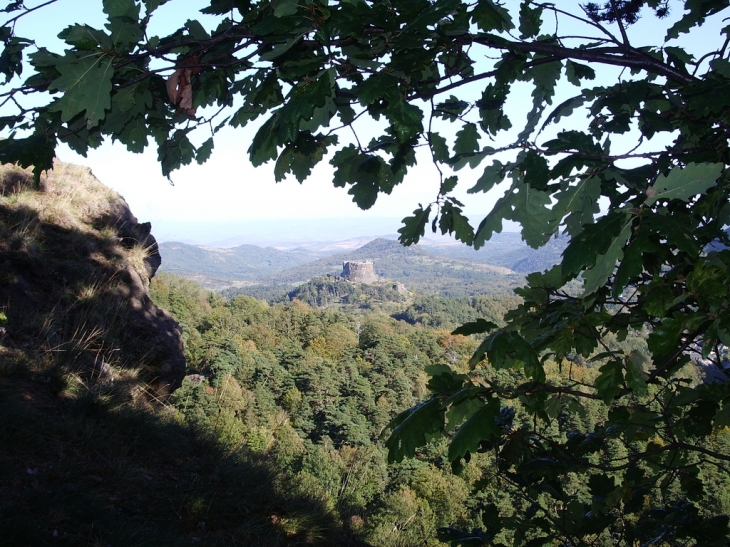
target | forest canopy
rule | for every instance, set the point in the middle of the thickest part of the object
(630, 165)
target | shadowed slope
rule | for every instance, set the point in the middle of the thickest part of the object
(90, 453)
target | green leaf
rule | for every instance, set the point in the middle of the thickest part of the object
(123, 33)
(691, 483)
(531, 208)
(573, 140)
(595, 239)
(566, 108)
(493, 175)
(507, 349)
(203, 152)
(535, 169)
(121, 8)
(664, 338)
(414, 226)
(462, 406)
(445, 380)
(489, 16)
(264, 144)
(285, 8)
(196, 31)
(578, 204)
(575, 72)
(84, 37)
(601, 485)
(280, 49)
(439, 148)
(610, 382)
(597, 276)
(722, 418)
(482, 426)
(175, 152)
(530, 20)
(299, 157)
(467, 140)
(134, 135)
(492, 223)
(698, 10)
(36, 151)
(545, 77)
(475, 327)
(448, 185)
(405, 118)
(152, 5)
(454, 222)
(413, 428)
(635, 376)
(685, 183)
(87, 86)
(367, 173)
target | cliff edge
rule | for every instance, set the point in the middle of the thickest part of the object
(75, 267)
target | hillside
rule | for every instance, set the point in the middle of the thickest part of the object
(342, 294)
(92, 451)
(274, 437)
(436, 265)
(215, 268)
(75, 278)
(505, 249)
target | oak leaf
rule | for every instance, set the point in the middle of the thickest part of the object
(180, 90)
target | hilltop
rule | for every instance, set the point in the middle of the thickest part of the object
(437, 265)
(414, 267)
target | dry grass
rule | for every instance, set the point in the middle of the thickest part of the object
(136, 257)
(65, 233)
(78, 197)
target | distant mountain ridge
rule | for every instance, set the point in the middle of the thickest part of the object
(435, 265)
(415, 267)
(506, 249)
(242, 263)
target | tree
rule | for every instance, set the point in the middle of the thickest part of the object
(434, 80)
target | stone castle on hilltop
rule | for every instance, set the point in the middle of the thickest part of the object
(361, 272)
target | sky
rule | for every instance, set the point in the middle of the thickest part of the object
(227, 191)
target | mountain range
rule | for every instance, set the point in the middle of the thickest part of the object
(216, 268)
(435, 265)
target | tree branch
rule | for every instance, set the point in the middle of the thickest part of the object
(610, 56)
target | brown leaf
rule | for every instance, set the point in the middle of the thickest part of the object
(172, 83)
(180, 90)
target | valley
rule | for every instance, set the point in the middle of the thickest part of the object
(143, 409)
(436, 266)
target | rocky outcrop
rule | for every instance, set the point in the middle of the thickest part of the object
(359, 271)
(76, 268)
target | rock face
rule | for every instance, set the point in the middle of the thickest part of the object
(361, 272)
(75, 267)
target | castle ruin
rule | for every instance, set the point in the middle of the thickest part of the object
(361, 272)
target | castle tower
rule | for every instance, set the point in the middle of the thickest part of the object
(361, 272)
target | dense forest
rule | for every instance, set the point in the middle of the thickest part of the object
(273, 423)
(278, 432)
(585, 416)
(312, 390)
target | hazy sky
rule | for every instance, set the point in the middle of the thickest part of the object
(227, 188)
